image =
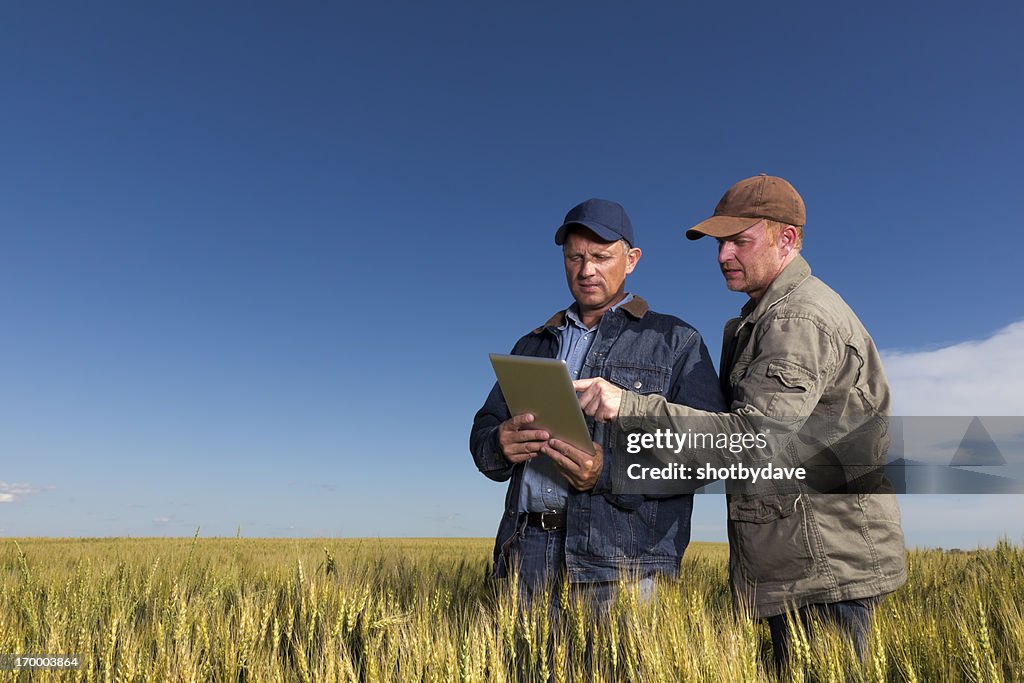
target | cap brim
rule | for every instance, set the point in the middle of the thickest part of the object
(601, 231)
(721, 226)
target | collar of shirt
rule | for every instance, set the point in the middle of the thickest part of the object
(572, 314)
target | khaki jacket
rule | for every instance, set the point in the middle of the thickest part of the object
(799, 357)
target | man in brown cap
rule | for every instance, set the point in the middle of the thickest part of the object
(797, 356)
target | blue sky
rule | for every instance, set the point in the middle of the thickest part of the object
(254, 257)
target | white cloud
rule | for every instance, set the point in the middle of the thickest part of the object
(983, 377)
(10, 493)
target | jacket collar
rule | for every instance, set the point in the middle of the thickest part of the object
(789, 279)
(635, 307)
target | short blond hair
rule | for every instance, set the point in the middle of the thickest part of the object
(774, 228)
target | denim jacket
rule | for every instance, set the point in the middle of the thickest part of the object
(606, 533)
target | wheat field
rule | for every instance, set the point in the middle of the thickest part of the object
(223, 609)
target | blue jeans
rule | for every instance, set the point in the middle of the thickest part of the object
(541, 558)
(851, 616)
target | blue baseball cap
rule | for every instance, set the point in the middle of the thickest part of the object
(605, 219)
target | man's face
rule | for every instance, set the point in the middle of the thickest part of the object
(596, 270)
(750, 260)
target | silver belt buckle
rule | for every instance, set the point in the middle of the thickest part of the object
(543, 520)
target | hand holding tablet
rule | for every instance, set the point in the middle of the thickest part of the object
(541, 387)
(520, 440)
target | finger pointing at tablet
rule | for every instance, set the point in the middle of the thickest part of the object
(599, 398)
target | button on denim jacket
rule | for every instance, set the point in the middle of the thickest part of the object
(606, 533)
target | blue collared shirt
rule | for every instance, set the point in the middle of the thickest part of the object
(544, 488)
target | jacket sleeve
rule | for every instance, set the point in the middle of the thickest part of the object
(794, 362)
(483, 437)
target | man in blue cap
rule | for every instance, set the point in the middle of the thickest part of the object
(561, 518)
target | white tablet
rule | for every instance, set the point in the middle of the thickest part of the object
(541, 386)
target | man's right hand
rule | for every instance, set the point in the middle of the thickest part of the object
(518, 441)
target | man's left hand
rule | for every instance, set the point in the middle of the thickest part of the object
(581, 468)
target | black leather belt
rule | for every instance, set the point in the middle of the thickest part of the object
(548, 521)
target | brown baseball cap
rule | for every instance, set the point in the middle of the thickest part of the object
(749, 201)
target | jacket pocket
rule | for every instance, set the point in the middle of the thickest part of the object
(641, 379)
(621, 534)
(790, 385)
(770, 537)
(884, 534)
(792, 376)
